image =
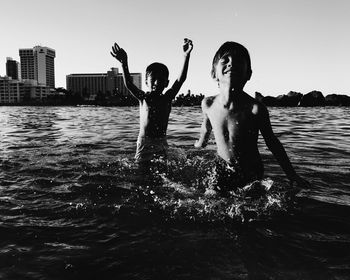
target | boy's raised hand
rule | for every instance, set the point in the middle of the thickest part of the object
(119, 53)
(187, 46)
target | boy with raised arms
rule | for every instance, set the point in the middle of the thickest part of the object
(236, 119)
(155, 106)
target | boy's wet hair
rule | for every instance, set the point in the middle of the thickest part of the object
(157, 68)
(233, 48)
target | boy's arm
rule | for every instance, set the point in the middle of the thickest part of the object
(206, 129)
(187, 48)
(276, 147)
(122, 57)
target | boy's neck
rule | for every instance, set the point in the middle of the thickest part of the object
(229, 94)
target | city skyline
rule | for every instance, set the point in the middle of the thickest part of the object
(294, 45)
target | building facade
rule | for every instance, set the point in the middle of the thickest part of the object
(92, 84)
(14, 91)
(27, 63)
(10, 91)
(38, 64)
(12, 69)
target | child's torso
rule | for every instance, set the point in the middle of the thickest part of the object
(154, 116)
(236, 134)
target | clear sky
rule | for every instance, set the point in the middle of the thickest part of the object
(299, 45)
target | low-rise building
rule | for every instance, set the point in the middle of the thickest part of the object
(92, 84)
(15, 92)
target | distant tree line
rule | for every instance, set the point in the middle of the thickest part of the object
(63, 97)
(297, 99)
(188, 99)
(66, 97)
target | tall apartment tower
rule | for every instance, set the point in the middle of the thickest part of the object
(12, 68)
(38, 64)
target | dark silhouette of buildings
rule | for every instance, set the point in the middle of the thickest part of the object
(12, 68)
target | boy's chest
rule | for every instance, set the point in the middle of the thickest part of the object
(156, 105)
(234, 123)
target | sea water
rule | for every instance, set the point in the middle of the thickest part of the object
(74, 205)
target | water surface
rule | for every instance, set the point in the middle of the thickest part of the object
(73, 204)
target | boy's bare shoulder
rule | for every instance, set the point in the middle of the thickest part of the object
(258, 107)
(208, 101)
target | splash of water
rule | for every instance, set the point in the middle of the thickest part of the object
(181, 190)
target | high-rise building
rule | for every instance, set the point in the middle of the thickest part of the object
(27, 63)
(12, 68)
(38, 64)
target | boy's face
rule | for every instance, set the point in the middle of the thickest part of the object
(156, 82)
(232, 68)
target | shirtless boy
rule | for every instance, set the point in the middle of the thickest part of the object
(236, 119)
(155, 106)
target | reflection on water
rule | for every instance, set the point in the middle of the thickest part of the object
(73, 204)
